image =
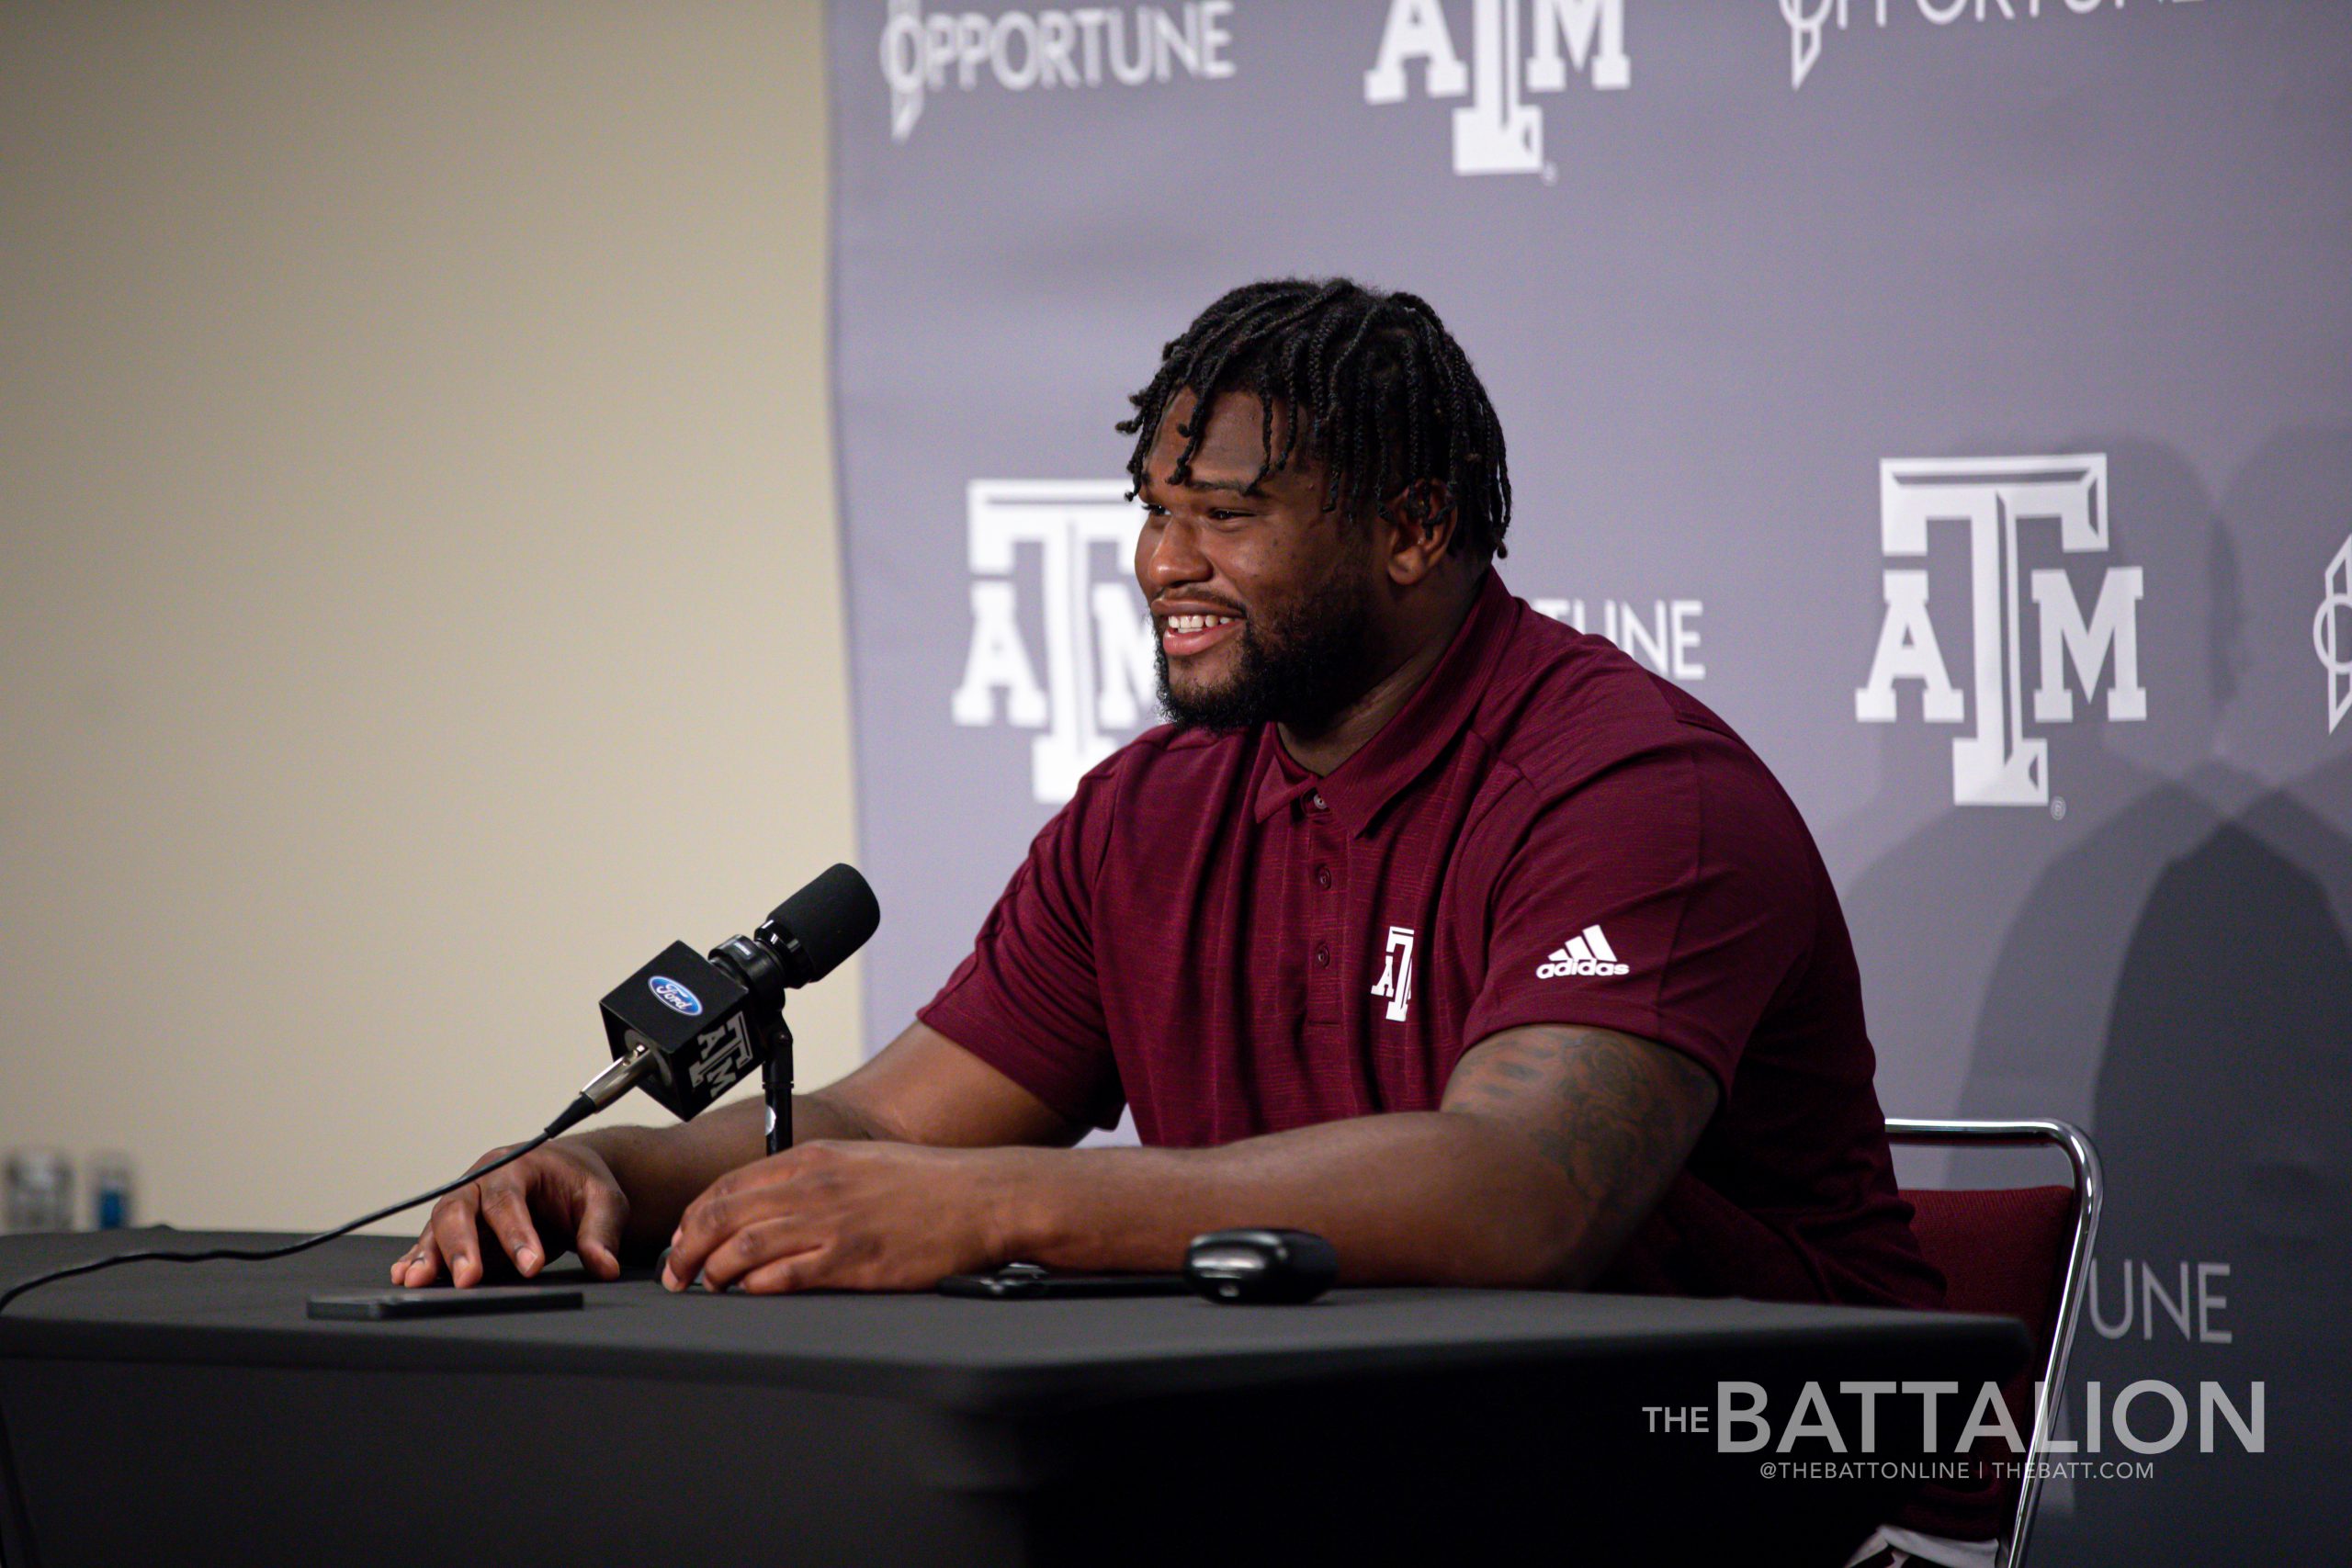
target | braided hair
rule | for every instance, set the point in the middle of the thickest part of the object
(1374, 384)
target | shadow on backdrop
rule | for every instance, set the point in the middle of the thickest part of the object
(2166, 964)
(2218, 1082)
(2220, 1107)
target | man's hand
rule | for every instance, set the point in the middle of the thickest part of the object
(851, 1216)
(552, 1199)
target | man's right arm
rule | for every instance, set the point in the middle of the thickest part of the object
(617, 1188)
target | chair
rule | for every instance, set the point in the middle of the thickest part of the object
(2020, 1252)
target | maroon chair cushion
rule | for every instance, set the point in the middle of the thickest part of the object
(2001, 1251)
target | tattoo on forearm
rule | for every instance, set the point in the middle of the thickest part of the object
(1618, 1115)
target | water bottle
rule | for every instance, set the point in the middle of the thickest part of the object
(40, 1191)
(110, 1192)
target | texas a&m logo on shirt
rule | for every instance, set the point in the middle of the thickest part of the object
(1396, 980)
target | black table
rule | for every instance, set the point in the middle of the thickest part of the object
(165, 1412)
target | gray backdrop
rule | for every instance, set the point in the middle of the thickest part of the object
(1956, 395)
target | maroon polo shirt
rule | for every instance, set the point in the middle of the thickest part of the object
(1545, 833)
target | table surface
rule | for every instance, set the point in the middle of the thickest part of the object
(975, 1356)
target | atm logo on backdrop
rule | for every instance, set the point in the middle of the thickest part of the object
(1093, 46)
(2004, 503)
(1499, 132)
(1100, 669)
(2331, 633)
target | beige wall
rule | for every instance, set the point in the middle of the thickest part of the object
(418, 591)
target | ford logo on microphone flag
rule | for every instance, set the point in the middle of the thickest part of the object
(674, 997)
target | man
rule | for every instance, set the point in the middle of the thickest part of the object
(1427, 924)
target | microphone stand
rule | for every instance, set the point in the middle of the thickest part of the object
(775, 1084)
(757, 964)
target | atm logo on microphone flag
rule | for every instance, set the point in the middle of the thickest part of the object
(674, 997)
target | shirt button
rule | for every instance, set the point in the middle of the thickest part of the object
(1323, 877)
(1322, 956)
(1318, 800)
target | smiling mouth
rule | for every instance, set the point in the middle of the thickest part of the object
(1180, 637)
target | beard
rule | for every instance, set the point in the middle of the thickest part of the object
(1302, 668)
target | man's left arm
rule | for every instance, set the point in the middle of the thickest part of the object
(1551, 1144)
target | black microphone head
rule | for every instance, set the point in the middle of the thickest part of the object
(820, 925)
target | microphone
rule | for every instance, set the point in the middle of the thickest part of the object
(687, 1028)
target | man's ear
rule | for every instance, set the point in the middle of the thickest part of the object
(1420, 521)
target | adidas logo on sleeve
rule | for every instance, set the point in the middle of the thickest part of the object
(1587, 953)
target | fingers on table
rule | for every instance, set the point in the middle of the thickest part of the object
(735, 1202)
(508, 1217)
(419, 1264)
(764, 1243)
(708, 1221)
(800, 1271)
(455, 1231)
(603, 1214)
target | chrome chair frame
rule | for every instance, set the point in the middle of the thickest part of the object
(2090, 1192)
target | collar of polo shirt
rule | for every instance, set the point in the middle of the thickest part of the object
(1358, 788)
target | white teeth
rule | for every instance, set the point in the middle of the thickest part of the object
(1198, 623)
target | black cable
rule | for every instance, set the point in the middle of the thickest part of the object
(19, 1520)
(263, 1254)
